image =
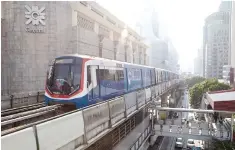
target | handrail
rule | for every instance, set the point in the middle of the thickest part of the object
(192, 110)
(139, 144)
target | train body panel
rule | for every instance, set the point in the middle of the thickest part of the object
(83, 80)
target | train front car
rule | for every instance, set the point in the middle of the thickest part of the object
(65, 82)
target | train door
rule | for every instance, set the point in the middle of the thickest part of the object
(92, 83)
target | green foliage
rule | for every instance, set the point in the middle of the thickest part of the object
(197, 91)
(194, 80)
(223, 145)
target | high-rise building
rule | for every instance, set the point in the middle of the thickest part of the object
(216, 41)
(232, 58)
(198, 67)
(233, 35)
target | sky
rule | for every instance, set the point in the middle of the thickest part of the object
(181, 20)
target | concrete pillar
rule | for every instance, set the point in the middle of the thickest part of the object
(163, 114)
(126, 47)
(101, 37)
(164, 100)
(115, 43)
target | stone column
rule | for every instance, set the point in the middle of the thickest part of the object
(145, 57)
(134, 51)
(126, 47)
(115, 43)
(101, 38)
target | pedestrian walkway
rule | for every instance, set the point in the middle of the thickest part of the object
(195, 131)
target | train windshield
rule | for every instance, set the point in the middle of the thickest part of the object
(64, 76)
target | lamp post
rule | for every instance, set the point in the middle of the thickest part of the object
(232, 120)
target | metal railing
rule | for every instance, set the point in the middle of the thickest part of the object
(141, 139)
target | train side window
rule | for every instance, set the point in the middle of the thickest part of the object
(119, 74)
(153, 77)
(89, 74)
(156, 76)
(134, 78)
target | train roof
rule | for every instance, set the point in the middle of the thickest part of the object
(105, 59)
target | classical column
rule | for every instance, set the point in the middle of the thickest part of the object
(140, 50)
(115, 43)
(101, 37)
(126, 47)
(145, 57)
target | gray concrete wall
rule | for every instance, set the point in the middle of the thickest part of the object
(26, 55)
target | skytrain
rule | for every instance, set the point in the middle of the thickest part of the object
(82, 80)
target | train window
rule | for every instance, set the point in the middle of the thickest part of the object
(146, 77)
(89, 74)
(134, 78)
(114, 74)
(106, 74)
(119, 74)
(153, 77)
(160, 76)
(76, 75)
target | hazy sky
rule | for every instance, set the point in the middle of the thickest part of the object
(181, 20)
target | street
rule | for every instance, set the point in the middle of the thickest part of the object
(168, 143)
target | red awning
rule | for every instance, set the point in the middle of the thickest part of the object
(222, 100)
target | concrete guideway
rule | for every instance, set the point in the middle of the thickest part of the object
(83, 127)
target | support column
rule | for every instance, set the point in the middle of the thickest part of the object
(164, 100)
(163, 114)
(115, 43)
(101, 37)
(140, 55)
(126, 47)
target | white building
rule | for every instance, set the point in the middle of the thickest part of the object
(233, 36)
(198, 66)
(216, 42)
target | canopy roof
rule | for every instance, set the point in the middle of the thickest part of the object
(222, 100)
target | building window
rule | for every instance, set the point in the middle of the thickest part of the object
(86, 23)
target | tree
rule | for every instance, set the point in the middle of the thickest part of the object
(223, 145)
(196, 92)
(194, 80)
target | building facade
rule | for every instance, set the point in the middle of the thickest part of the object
(233, 44)
(233, 36)
(216, 42)
(33, 33)
(198, 66)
